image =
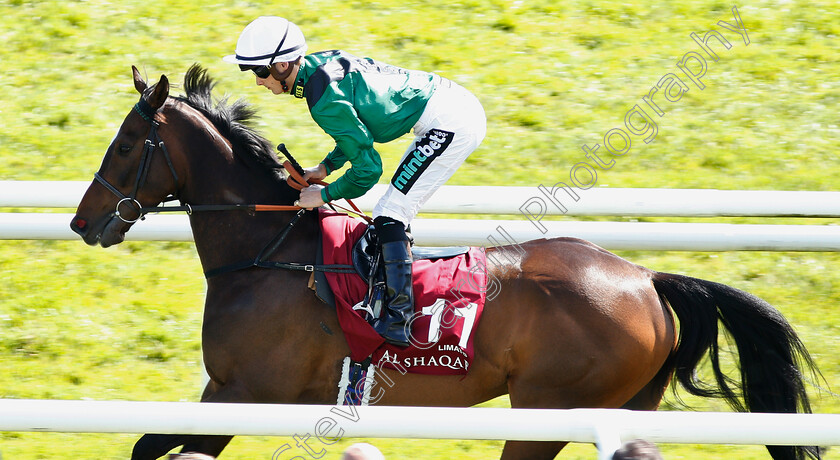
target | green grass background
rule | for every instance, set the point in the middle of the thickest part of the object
(123, 323)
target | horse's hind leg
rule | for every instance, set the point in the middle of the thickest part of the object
(649, 397)
(532, 450)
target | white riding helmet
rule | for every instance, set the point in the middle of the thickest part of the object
(266, 40)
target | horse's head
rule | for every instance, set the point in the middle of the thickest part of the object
(136, 171)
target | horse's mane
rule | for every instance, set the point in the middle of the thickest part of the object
(232, 119)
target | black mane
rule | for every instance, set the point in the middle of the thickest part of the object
(231, 119)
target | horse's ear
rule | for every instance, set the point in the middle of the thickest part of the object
(139, 84)
(160, 93)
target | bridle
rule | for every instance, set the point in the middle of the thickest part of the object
(153, 142)
(295, 179)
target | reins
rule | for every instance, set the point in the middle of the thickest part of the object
(154, 141)
(296, 181)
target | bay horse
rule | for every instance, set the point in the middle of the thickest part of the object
(572, 325)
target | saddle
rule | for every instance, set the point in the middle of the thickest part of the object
(449, 291)
(367, 261)
(365, 253)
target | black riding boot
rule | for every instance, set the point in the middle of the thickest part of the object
(399, 296)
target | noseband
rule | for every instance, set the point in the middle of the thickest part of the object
(153, 141)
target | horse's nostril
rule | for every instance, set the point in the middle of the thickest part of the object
(79, 225)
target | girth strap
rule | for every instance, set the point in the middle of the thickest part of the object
(261, 262)
(291, 266)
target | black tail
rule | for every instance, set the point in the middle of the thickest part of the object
(771, 356)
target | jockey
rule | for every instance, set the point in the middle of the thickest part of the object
(359, 101)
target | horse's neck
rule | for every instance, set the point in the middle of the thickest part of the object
(222, 238)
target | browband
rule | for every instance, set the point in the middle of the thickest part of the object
(144, 109)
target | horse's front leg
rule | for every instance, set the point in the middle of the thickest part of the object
(154, 446)
(531, 450)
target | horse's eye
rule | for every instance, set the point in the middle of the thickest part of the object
(124, 149)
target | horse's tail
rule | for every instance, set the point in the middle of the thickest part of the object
(771, 356)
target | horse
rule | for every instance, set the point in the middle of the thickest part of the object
(572, 325)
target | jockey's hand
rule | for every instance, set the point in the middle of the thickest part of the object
(310, 197)
(316, 172)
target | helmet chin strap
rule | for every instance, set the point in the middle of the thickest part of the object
(281, 77)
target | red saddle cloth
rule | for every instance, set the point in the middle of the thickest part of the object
(448, 301)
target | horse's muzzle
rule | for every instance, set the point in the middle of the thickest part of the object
(107, 231)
